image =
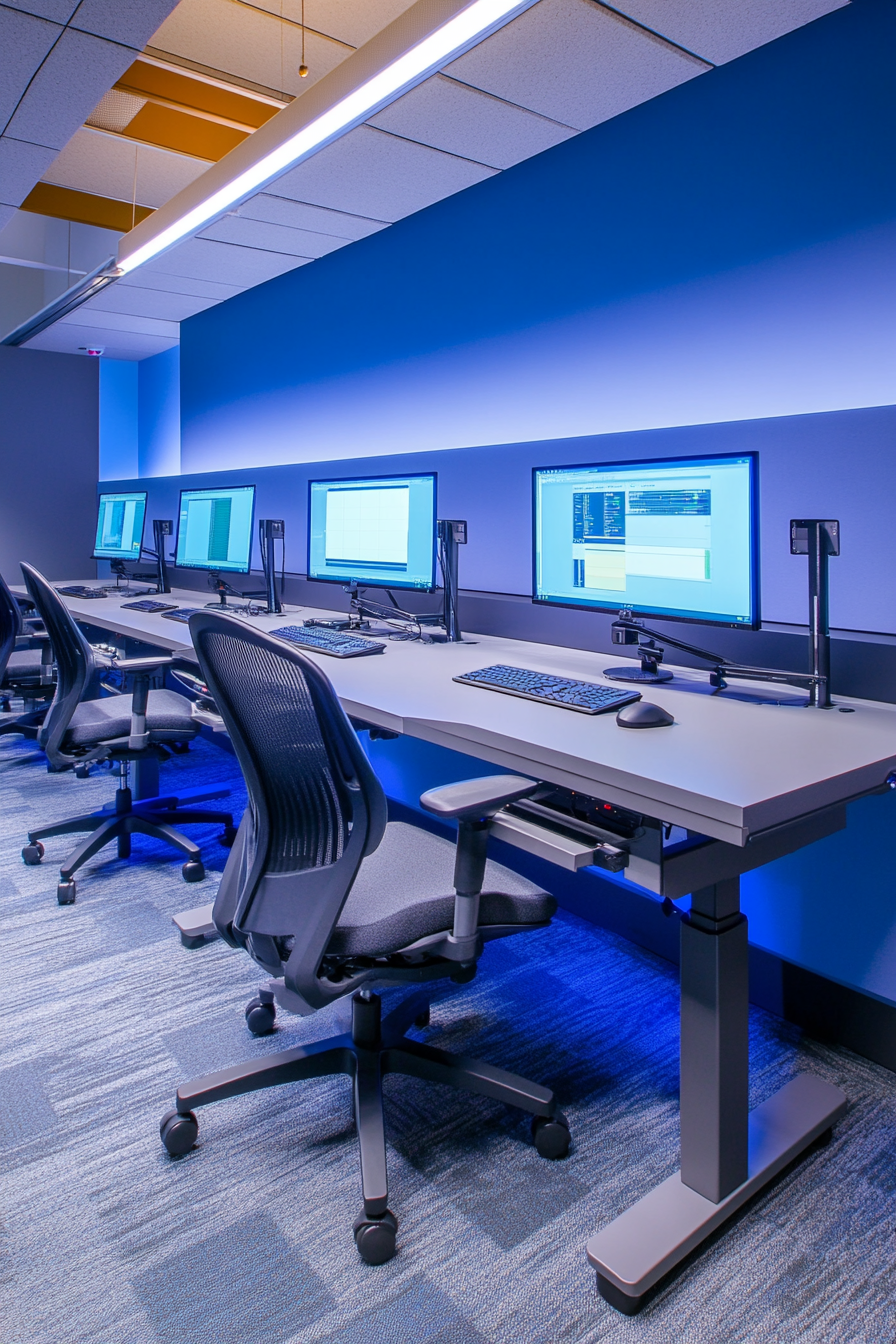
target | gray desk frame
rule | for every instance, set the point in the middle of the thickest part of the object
(758, 780)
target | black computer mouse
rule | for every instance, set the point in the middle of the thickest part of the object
(642, 714)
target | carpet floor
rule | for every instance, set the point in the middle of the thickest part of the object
(247, 1239)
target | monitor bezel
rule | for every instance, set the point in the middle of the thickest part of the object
(390, 476)
(205, 490)
(652, 614)
(106, 494)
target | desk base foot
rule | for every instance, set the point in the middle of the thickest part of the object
(196, 926)
(646, 1242)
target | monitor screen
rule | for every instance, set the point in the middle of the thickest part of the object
(214, 529)
(380, 531)
(675, 538)
(119, 525)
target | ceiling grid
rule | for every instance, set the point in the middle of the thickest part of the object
(559, 68)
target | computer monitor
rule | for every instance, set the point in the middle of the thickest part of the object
(674, 538)
(377, 531)
(214, 530)
(119, 525)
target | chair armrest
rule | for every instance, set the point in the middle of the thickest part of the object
(152, 664)
(476, 799)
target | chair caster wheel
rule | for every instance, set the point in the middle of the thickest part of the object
(66, 892)
(179, 1132)
(33, 852)
(260, 1017)
(375, 1237)
(422, 1019)
(551, 1136)
(82, 772)
(193, 870)
(228, 836)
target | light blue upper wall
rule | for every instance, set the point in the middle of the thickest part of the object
(118, 419)
(159, 415)
(723, 252)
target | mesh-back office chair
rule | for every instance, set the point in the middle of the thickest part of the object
(118, 728)
(26, 669)
(320, 890)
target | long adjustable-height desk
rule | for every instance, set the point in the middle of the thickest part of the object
(748, 781)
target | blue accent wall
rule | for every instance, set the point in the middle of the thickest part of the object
(119, 433)
(722, 252)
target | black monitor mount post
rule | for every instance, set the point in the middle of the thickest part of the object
(452, 532)
(161, 528)
(817, 538)
(269, 530)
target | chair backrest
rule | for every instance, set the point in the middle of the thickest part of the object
(10, 625)
(75, 665)
(315, 805)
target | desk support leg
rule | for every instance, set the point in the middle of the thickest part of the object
(727, 1153)
(714, 1042)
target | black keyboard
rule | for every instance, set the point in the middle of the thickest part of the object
(143, 605)
(583, 696)
(181, 614)
(80, 590)
(337, 643)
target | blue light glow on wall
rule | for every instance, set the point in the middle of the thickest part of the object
(723, 252)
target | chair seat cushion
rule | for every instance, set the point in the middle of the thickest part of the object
(168, 717)
(404, 892)
(23, 666)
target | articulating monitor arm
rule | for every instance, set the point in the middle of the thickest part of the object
(626, 630)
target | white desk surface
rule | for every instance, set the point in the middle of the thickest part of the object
(726, 768)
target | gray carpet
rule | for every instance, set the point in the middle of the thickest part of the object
(247, 1239)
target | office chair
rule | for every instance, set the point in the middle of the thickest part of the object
(123, 729)
(331, 899)
(26, 668)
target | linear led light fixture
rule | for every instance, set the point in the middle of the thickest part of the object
(79, 293)
(421, 41)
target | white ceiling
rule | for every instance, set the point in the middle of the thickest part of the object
(560, 68)
(58, 59)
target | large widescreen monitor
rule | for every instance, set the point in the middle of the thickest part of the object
(378, 531)
(675, 538)
(214, 529)
(119, 525)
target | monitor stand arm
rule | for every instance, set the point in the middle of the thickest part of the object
(625, 630)
(817, 538)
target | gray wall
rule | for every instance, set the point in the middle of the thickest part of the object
(49, 461)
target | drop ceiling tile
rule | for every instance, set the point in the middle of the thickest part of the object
(104, 166)
(58, 11)
(371, 173)
(465, 121)
(148, 277)
(69, 340)
(119, 298)
(131, 22)
(276, 209)
(720, 31)
(202, 259)
(272, 237)
(247, 43)
(346, 20)
(68, 86)
(574, 62)
(24, 43)
(21, 165)
(88, 316)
